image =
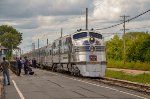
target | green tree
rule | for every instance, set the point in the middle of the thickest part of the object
(138, 45)
(9, 36)
(114, 48)
(145, 49)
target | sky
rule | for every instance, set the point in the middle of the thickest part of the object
(43, 19)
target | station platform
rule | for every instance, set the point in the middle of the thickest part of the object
(52, 85)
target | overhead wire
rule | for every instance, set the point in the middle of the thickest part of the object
(110, 34)
(140, 27)
(125, 21)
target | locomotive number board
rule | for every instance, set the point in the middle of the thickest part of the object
(93, 58)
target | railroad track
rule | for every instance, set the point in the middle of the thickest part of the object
(127, 84)
(144, 88)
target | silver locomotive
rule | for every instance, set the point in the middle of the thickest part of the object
(82, 53)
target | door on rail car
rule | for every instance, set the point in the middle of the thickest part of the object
(48, 56)
(56, 51)
(69, 44)
(60, 50)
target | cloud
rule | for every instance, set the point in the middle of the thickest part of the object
(27, 25)
(112, 10)
(33, 8)
(43, 18)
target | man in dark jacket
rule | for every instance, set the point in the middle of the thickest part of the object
(34, 62)
(26, 65)
(19, 66)
(5, 66)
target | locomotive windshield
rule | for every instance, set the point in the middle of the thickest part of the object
(80, 35)
(95, 35)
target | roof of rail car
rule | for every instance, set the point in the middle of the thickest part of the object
(80, 31)
(61, 38)
(41, 48)
(37, 49)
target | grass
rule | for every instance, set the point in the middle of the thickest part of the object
(128, 65)
(141, 78)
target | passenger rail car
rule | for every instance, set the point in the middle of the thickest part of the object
(82, 53)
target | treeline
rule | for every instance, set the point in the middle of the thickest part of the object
(137, 47)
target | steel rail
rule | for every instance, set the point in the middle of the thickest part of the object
(145, 88)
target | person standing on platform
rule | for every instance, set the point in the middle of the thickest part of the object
(19, 66)
(34, 62)
(26, 64)
(22, 61)
(5, 65)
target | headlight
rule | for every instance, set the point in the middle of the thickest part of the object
(92, 40)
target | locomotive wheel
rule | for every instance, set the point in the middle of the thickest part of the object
(61, 65)
(77, 71)
(42, 67)
(72, 70)
(69, 66)
(59, 68)
(54, 68)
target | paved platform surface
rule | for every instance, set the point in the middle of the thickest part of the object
(1, 87)
(52, 85)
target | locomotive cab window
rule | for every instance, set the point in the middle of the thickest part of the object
(80, 35)
(95, 35)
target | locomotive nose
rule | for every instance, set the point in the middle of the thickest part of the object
(92, 49)
(92, 40)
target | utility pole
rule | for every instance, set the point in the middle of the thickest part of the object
(38, 43)
(61, 32)
(86, 18)
(38, 51)
(124, 38)
(60, 44)
(47, 41)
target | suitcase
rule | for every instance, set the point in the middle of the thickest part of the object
(30, 71)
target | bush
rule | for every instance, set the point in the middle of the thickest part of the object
(128, 65)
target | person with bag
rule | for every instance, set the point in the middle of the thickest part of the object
(4, 66)
(30, 70)
(27, 67)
